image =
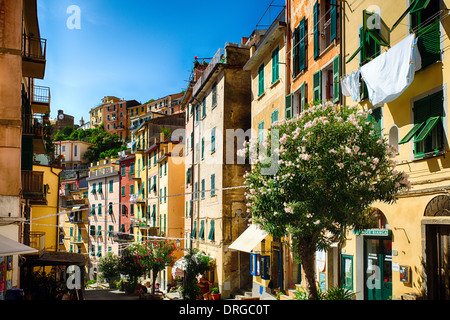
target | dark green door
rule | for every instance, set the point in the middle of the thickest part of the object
(378, 266)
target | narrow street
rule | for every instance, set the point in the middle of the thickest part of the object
(106, 294)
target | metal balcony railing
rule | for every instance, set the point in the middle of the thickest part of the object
(37, 241)
(33, 124)
(40, 95)
(34, 48)
(219, 57)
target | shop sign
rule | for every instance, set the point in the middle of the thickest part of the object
(374, 232)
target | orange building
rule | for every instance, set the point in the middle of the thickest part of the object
(313, 58)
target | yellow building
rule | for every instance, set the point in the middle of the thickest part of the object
(96, 114)
(268, 73)
(405, 253)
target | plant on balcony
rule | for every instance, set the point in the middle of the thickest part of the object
(331, 165)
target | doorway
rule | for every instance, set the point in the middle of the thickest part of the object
(378, 266)
(438, 262)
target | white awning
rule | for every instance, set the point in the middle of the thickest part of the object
(9, 247)
(249, 239)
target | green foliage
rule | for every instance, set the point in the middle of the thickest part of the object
(129, 264)
(108, 266)
(333, 293)
(197, 263)
(104, 144)
(67, 131)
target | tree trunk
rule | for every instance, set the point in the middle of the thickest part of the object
(307, 254)
(154, 274)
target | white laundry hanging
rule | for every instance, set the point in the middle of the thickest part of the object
(350, 86)
(391, 73)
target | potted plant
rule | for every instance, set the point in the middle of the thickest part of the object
(215, 293)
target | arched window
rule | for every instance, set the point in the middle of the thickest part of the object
(393, 137)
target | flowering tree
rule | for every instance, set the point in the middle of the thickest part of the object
(130, 265)
(155, 256)
(332, 166)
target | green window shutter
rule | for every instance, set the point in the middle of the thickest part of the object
(261, 79)
(213, 184)
(336, 78)
(92, 231)
(123, 191)
(419, 5)
(203, 148)
(302, 45)
(333, 17)
(165, 194)
(303, 96)
(316, 30)
(275, 65)
(213, 140)
(71, 232)
(99, 210)
(261, 131)
(99, 230)
(110, 208)
(295, 48)
(94, 191)
(427, 129)
(100, 187)
(188, 176)
(203, 189)
(111, 187)
(274, 116)
(211, 231)
(93, 209)
(194, 230)
(196, 190)
(362, 41)
(201, 233)
(429, 43)
(317, 87)
(204, 108)
(288, 107)
(377, 118)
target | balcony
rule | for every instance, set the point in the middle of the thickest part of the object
(33, 125)
(40, 99)
(34, 51)
(37, 241)
(219, 57)
(122, 237)
(33, 187)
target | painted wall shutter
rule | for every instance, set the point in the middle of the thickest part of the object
(316, 30)
(317, 87)
(303, 97)
(295, 45)
(288, 107)
(333, 14)
(302, 45)
(336, 79)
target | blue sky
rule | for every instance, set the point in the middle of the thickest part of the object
(135, 49)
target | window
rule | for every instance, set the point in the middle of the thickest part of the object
(203, 189)
(94, 191)
(165, 194)
(92, 231)
(111, 186)
(195, 190)
(425, 22)
(274, 116)
(110, 231)
(213, 185)
(317, 87)
(197, 112)
(428, 132)
(99, 210)
(131, 189)
(63, 148)
(132, 168)
(110, 208)
(122, 170)
(275, 65)
(93, 209)
(194, 230)
(214, 95)
(201, 232)
(261, 132)
(160, 195)
(376, 118)
(132, 209)
(204, 108)
(211, 235)
(325, 25)
(99, 230)
(299, 53)
(124, 210)
(203, 148)
(123, 191)
(213, 140)
(393, 137)
(288, 107)
(100, 187)
(75, 150)
(188, 176)
(261, 79)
